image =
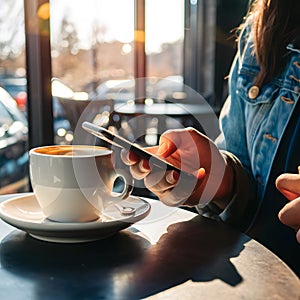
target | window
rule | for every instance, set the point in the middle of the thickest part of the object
(92, 42)
(95, 49)
(13, 87)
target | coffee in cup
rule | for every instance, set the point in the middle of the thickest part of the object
(74, 183)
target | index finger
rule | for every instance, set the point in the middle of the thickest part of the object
(166, 147)
(128, 157)
(289, 185)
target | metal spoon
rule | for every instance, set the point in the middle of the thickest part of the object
(125, 210)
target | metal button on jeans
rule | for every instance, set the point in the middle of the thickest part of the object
(253, 92)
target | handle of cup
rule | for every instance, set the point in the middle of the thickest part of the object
(128, 183)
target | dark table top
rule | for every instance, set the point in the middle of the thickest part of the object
(171, 254)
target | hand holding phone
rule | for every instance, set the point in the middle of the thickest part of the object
(114, 139)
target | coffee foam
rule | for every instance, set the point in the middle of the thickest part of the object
(72, 150)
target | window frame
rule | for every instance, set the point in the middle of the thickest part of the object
(39, 75)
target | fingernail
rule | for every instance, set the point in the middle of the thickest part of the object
(131, 156)
(162, 149)
(144, 165)
(172, 177)
(127, 155)
(200, 173)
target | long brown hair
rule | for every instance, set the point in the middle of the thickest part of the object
(276, 24)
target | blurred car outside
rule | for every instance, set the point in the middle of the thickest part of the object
(13, 146)
(168, 89)
(17, 87)
(120, 91)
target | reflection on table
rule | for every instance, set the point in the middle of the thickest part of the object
(171, 254)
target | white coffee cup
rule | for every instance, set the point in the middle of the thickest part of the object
(74, 183)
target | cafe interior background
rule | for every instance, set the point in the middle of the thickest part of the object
(104, 52)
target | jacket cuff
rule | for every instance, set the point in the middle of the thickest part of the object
(241, 207)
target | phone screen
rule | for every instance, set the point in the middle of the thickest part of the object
(114, 139)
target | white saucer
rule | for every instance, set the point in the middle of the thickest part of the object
(24, 213)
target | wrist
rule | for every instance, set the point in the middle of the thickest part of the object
(226, 190)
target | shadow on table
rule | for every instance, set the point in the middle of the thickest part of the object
(125, 266)
(198, 250)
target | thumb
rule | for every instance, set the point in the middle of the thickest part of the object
(166, 147)
(199, 174)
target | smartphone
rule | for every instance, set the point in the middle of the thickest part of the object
(117, 140)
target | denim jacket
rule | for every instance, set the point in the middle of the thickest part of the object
(253, 121)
